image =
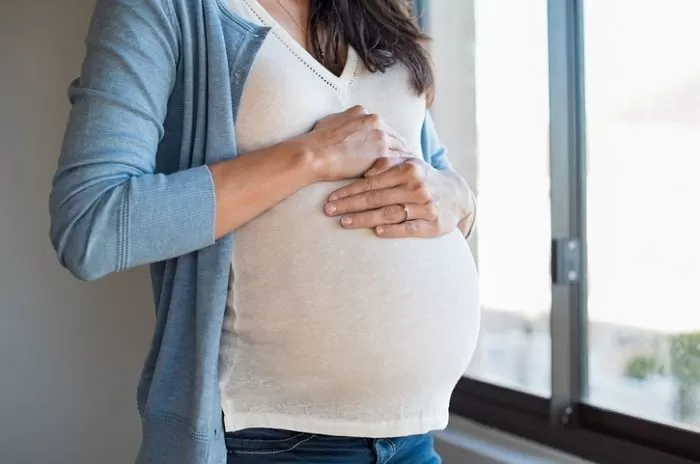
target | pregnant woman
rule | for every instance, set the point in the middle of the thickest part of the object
(274, 163)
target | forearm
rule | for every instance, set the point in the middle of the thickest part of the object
(103, 223)
(253, 182)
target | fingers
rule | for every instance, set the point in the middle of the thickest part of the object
(417, 228)
(384, 143)
(335, 119)
(352, 114)
(411, 168)
(388, 141)
(375, 199)
(387, 173)
(393, 214)
(357, 110)
(354, 139)
(389, 179)
(388, 215)
(397, 146)
(383, 164)
(374, 122)
(362, 120)
(396, 141)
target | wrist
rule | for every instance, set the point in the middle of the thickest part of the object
(306, 160)
(469, 216)
(310, 160)
(463, 201)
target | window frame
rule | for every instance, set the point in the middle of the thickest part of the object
(596, 434)
(564, 421)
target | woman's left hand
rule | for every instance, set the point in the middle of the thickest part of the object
(403, 197)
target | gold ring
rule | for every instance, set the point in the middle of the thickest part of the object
(405, 210)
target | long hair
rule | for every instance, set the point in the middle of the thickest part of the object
(382, 32)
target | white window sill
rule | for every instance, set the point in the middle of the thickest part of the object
(468, 442)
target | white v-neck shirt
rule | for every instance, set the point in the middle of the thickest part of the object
(328, 330)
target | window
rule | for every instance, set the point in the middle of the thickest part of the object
(643, 126)
(578, 124)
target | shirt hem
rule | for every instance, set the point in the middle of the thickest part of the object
(234, 421)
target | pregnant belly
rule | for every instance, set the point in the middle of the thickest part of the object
(342, 309)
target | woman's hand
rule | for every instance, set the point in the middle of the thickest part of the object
(400, 197)
(345, 145)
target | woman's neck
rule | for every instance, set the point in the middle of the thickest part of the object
(293, 16)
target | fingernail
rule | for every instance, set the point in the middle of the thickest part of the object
(346, 221)
(330, 209)
(333, 197)
(380, 230)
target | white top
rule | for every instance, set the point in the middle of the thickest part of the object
(329, 330)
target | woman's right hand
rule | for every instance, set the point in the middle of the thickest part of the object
(345, 145)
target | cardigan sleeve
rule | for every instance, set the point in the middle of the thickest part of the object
(434, 152)
(109, 210)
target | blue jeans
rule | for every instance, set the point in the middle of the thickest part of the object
(270, 446)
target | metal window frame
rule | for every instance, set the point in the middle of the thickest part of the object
(597, 435)
(564, 421)
(567, 192)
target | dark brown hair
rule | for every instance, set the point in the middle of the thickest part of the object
(382, 32)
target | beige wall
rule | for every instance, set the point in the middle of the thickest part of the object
(70, 352)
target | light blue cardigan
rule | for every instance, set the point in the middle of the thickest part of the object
(155, 104)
